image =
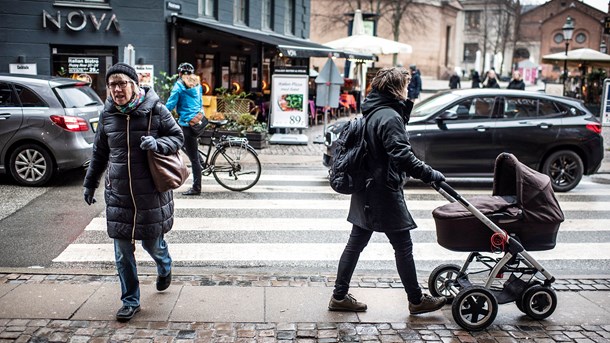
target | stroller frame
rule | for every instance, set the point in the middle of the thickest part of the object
(475, 307)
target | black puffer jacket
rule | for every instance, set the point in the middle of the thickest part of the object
(134, 208)
(381, 206)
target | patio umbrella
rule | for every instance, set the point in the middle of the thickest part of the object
(586, 56)
(363, 43)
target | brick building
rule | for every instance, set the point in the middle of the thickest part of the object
(540, 32)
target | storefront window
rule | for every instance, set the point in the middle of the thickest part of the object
(205, 70)
(85, 64)
(266, 76)
(237, 73)
(267, 12)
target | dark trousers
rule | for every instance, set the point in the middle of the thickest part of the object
(403, 252)
(191, 146)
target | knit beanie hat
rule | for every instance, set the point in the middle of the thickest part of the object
(122, 68)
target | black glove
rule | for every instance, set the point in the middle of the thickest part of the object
(435, 176)
(89, 198)
(148, 143)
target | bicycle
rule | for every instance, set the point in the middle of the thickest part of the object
(234, 163)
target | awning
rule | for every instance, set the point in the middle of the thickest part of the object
(289, 46)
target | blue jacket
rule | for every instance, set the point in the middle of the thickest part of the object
(186, 101)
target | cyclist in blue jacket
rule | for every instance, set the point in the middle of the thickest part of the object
(185, 97)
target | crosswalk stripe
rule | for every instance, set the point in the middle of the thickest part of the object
(187, 252)
(343, 204)
(319, 224)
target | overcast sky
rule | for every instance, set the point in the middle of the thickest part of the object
(601, 5)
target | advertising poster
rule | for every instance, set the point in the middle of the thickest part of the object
(289, 101)
(145, 74)
(605, 107)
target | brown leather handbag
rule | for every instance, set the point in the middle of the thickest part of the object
(168, 171)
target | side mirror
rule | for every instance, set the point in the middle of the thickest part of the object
(447, 115)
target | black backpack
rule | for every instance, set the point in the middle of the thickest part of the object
(348, 171)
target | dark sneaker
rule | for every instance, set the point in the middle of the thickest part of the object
(192, 192)
(428, 304)
(125, 313)
(349, 303)
(164, 281)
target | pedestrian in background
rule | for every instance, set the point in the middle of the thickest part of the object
(454, 81)
(381, 205)
(476, 79)
(491, 81)
(415, 86)
(516, 82)
(135, 210)
(186, 98)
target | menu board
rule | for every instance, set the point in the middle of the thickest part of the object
(289, 101)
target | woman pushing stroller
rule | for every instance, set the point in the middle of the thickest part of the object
(381, 205)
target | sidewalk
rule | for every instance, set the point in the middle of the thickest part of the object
(272, 308)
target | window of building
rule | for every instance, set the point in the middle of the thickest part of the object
(289, 16)
(470, 52)
(237, 72)
(581, 38)
(558, 38)
(206, 8)
(240, 12)
(473, 20)
(267, 13)
(205, 70)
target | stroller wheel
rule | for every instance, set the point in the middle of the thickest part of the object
(539, 302)
(441, 279)
(474, 308)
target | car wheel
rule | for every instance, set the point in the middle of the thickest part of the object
(31, 165)
(565, 169)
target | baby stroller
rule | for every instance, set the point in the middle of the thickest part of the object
(522, 214)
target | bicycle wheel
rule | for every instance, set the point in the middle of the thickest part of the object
(236, 166)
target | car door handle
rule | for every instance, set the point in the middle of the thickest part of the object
(4, 116)
(544, 125)
(481, 128)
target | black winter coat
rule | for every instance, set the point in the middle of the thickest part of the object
(381, 205)
(516, 84)
(134, 208)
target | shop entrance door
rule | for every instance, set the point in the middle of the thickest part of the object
(88, 64)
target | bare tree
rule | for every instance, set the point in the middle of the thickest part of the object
(394, 12)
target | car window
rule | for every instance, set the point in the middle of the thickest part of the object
(473, 108)
(432, 105)
(7, 97)
(28, 98)
(568, 111)
(548, 109)
(520, 108)
(78, 96)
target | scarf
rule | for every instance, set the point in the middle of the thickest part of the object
(131, 105)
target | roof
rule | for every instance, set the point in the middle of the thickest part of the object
(289, 46)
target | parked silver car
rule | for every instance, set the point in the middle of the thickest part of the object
(47, 124)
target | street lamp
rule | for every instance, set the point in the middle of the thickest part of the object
(568, 30)
(603, 48)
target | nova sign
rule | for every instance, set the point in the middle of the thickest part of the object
(78, 20)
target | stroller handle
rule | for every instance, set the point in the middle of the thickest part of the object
(445, 190)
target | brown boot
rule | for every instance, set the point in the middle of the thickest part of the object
(349, 303)
(428, 304)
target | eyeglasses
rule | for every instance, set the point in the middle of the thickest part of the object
(121, 84)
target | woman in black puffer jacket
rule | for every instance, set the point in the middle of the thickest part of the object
(135, 210)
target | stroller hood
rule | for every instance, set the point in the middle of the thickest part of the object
(533, 190)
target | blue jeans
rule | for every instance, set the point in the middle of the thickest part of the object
(403, 252)
(128, 271)
(191, 145)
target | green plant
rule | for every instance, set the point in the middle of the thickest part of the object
(164, 84)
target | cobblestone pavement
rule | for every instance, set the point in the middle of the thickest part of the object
(48, 330)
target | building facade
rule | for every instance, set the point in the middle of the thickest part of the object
(540, 32)
(234, 44)
(430, 27)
